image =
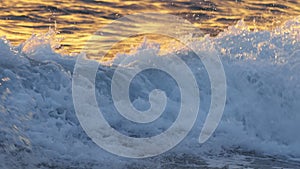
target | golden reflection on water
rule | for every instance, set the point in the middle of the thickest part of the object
(130, 45)
(77, 20)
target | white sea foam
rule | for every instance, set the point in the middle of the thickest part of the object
(38, 125)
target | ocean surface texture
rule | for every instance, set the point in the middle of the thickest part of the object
(261, 121)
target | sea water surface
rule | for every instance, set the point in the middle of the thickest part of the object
(76, 20)
(259, 46)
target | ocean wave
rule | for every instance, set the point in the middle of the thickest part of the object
(38, 124)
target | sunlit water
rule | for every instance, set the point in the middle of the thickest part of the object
(77, 20)
(263, 72)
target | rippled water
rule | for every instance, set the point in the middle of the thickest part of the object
(259, 129)
(77, 20)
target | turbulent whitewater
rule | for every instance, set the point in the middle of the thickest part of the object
(39, 128)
